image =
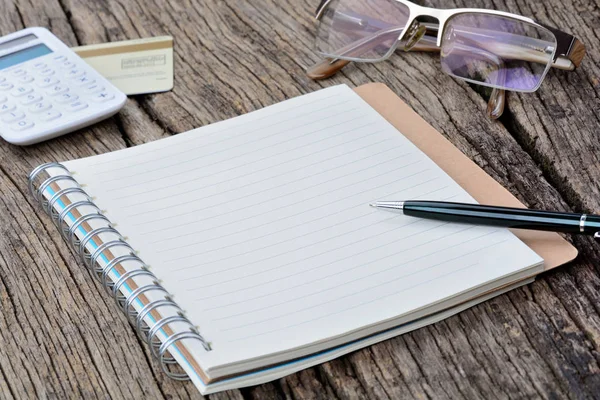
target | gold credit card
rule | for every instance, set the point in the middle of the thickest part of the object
(134, 66)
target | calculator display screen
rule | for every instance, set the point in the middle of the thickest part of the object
(21, 56)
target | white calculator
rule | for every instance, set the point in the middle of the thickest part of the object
(46, 90)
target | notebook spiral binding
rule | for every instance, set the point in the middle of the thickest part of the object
(160, 349)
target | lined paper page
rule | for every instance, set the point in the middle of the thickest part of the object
(261, 226)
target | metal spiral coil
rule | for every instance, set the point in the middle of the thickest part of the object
(80, 239)
(72, 238)
(60, 221)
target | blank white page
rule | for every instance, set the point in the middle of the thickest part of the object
(261, 227)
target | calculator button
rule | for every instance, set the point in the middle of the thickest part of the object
(6, 86)
(13, 116)
(26, 79)
(22, 125)
(76, 106)
(75, 73)
(95, 88)
(67, 65)
(3, 99)
(60, 58)
(57, 89)
(83, 80)
(18, 72)
(66, 98)
(47, 81)
(30, 99)
(102, 97)
(21, 91)
(50, 115)
(40, 65)
(46, 72)
(40, 107)
(2, 79)
(7, 107)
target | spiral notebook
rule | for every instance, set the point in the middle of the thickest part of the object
(246, 250)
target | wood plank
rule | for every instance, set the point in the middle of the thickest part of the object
(62, 336)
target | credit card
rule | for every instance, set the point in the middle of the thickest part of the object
(137, 66)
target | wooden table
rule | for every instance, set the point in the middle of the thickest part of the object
(61, 335)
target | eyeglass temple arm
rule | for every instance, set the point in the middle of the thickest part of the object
(568, 47)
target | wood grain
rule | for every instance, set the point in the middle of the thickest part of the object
(61, 335)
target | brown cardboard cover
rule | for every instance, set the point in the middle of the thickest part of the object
(550, 246)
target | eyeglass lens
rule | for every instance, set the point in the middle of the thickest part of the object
(497, 51)
(363, 30)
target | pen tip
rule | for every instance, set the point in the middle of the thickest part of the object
(388, 205)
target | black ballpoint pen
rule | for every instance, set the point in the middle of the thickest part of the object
(507, 217)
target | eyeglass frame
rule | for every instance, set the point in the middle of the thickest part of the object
(568, 54)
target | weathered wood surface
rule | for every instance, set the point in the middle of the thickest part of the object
(61, 335)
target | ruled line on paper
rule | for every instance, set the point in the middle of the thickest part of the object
(275, 255)
(280, 266)
(302, 272)
(362, 304)
(191, 138)
(337, 211)
(254, 205)
(312, 269)
(184, 224)
(229, 148)
(187, 192)
(346, 309)
(246, 239)
(181, 258)
(296, 249)
(237, 199)
(164, 187)
(236, 244)
(360, 278)
(225, 150)
(155, 180)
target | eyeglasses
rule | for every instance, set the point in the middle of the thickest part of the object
(491, 48)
